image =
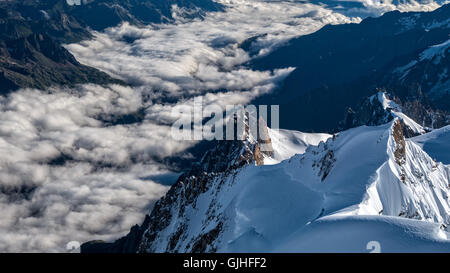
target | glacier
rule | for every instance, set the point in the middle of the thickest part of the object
(342, 192)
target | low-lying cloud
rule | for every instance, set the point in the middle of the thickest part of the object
(64, 176)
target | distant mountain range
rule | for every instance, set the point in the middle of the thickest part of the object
(31, 33)
(337, 67)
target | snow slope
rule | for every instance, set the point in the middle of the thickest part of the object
(436, 144)
(287, 143)
(358, 186)
(436, 52)
(397, 112)
(364, 233)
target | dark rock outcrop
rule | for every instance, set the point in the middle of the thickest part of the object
(371, 113)
(400, 144)
(38, 61)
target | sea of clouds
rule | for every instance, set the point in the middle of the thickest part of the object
(67, 174)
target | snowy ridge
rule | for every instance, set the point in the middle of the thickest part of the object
(331, 187)
(396, 111)
(380, 109)
(386, 102)
(410, 184)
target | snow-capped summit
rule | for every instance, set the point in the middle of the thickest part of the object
(379, 109)
(350, 188)
(362, 171)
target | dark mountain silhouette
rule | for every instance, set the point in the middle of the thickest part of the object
(339, 65)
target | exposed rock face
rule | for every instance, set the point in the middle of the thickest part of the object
(264, 137)
(207, 239)
(37, 61)
(324, 158)
(264, 146)
(127, 244)
(218, 164)
(400, 144)
(379, 109)
(326, 163)
(371, 113)
(424, 114)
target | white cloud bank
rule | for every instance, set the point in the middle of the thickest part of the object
(101, 190)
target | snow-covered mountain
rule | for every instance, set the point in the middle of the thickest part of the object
(379, 109)
(337, 193)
